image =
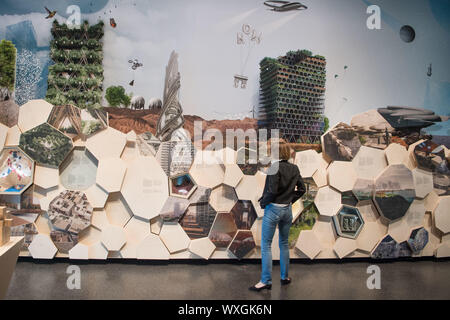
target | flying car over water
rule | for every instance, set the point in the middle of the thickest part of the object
(283, 6)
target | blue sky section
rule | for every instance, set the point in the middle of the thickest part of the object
(30, 6)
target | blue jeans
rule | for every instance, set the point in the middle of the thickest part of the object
(273, 216)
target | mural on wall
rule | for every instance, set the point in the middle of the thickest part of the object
(124, 91)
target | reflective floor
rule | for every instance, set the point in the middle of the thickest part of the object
(322, 280)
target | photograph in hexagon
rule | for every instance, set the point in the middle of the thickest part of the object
(197, 220)
(244, 214)
(349, 198)
(46, 145)
(341, 143)
(93, 120)
(247, 160)
(242, 244)
(70, 211)
(79, 170)
(364, 189)
(305, 221)
(387, 248)
(348, 222)
(23, 226)
(64, 240)
(16, 171)
(66, 119)
(310, 192)
(394, 191)
(223, 230)
(429, 155)
(182, 185)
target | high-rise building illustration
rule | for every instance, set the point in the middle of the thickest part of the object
(292, 94)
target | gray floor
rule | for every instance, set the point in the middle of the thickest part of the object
(324, 280)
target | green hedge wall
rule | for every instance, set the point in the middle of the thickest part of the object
(7, 65)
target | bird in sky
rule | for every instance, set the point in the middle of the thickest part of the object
(51, 14)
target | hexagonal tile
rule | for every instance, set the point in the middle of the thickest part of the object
(67, 119)
(136, 230)
(251, 188)
(349, 198)
(341, 143)
(174, 237)
(305, 221)
(233, 175)
(244, 214)
(223, 230)
(342, 175)
(394, 191)
(108, 143)
(79, 252)
(64, 241)
(145, 187)
(117, 210)
(78, 170)
(308, 162)
(247, 160)
(96, 196)
(99, 219)
(46, 145)
(399, 231)
(369, 163)
(308, 244)
(364, 189)
(320, 177)
(418, 240)
(223, 198)
(3, 134)
(110, 174)
(97, 251)
(197, 220)
(70, 211)
(387, 248)
(42, 247)
(16, 171)
(13, 137)
(441, 214)
(396, 154)
(46, 177)
(369, 236)
(423, 182)
(33, 113)
(348, 222)
(202, 247)
(344, 246)
(113, 237)
(327, 201)
(173, 209)
(242, 244)
(206, 170)
(182, 186)
(200, 195)
(152, 248)
(415, 214)
(431, 201)
(428, 155)
(443, 250)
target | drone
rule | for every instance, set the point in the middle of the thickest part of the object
(284, 6)
(135, 64)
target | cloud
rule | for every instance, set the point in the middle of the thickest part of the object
(22, 7)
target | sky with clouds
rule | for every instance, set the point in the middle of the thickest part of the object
(382, 69)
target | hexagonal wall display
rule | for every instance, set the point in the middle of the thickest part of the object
(308, 244)
(311, 191)
(342, 175)
(182, 186)
(223, 198)
(197, 220)
(348, 222)
(233, 175)
(42, 247)
(308, 162)
(369, 163)
(79, 170)
(174, 237)
(207, 171)
(200, 195)
(364, 189)
(369, 236)
(46, 145)
(396, 154)
(113, 237)
(327, 201)
(441, 214)
(108, 143)
(394, 191)
(66, 119)
(344, 247)
(349, 198)
(247, 160)
(152, 248)
(423, 182)
(33, 113)
(110, 174)
(16, 171)
(202, 247)
(242, 244)
(46, 177)
(223, 230)
(70, 211)
(63, 240)
(341, 143)
(428, 155)
(418, 240)
(305, 221)
(244, 214)
(145, 187)
(174, 208)
(387, 248)
(117, 210)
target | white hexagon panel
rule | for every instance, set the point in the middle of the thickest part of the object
(110, 174)
(174, 237)
(113, 237)
(108, 143)
(342, 175)
(369, 162)
(327, 201)
(423, 182)
(442, 214)
(207, 170)
(46, 177)
(202, 247)
(308, 244)
(42, 247)
(396, 154)
(308, 162)
(33, 113)
(145, 187)
(223, 198)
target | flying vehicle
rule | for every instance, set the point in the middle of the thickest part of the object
(284, 6)
(51, 13)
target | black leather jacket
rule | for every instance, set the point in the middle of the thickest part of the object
(281, 184)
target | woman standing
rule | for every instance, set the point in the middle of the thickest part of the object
(284, 186)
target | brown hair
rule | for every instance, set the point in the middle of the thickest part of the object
(284, 150)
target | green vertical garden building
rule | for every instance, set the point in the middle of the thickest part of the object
(292, 94)
(76, 77)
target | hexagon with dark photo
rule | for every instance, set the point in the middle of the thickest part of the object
(341, 143)
(429, 155)
(46, 145)
(394, 191)
(364, 189)
(242, 244)
(349, 198)
(16, 171)
(174, 208)
(223, 230)
(63, 240)
(182, 185)
(387, 248)
(348, 222)
(244, 214)
(418, 240)
(197, 220)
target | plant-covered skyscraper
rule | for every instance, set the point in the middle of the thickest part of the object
(77, 75)
(7, 70)
(292, 94)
